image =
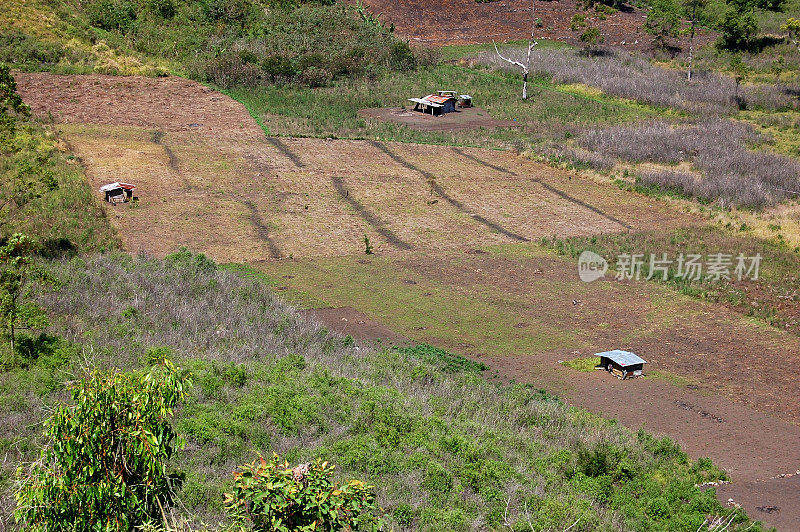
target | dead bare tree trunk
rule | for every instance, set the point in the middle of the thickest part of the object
(531, 44)
(691, 40)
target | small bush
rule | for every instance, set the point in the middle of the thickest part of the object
(271, 496)
(112, 15)
(446, 361)
(403, 514)
(105, 467)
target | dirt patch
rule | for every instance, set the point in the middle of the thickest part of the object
(470, 22)
(347, 320)
(774, 501)
(167, 104)
(469, 118)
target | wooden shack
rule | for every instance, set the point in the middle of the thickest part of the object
(623, 364)
(118, 192)
(436, 104)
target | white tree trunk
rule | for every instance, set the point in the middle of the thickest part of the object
(531, 44)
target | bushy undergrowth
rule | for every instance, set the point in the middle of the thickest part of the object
(731, 172)
(43, 189)
(618, 73)
(225, 42)
(446, 451)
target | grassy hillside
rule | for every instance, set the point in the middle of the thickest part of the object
(227, 42)
(445, 449)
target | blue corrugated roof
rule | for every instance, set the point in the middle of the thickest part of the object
(623, 358)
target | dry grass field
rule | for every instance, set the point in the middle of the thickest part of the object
(242, 197)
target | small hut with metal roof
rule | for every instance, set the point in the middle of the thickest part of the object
(623, 364)
(441, 102)
(118, 192)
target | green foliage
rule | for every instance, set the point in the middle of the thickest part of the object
(11, 107)
(663, 21)
(444, 360)
(738, 30)
(792, 29)
(106, 464)
(591, 37)
(16, 273)
(367, 245)
(190, 264)
(271, 496)
(578, 22)
(112, 14)
(21, 49)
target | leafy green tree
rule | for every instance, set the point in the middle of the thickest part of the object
(17, 271)
(271, 496)
(11, 107)
(105, 466)
(792, 29)
(738, 28)
(663, 22)
(591, 38)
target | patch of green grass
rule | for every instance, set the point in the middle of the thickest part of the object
(415, 310)
(67, 219)
(446, 361)
(671, 378)
(333, 110)
(582, 364)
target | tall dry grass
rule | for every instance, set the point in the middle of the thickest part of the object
(720, 149)
(619, 73)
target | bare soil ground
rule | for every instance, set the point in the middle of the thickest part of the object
(349, 321)
(454, 266)
(469, 118)
(470, 22)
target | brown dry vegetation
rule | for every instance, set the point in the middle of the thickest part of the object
(242, 197)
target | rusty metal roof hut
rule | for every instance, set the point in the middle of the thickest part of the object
(435, 104)
(623, 364)
(118, 192)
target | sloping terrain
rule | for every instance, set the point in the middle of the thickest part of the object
(471, 22)
(457, 264)
(208, 179)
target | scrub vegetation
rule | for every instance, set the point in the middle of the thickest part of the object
(439, 443)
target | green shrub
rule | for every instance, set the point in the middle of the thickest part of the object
(437, 480)
(112, 14)
(737, 30)
(162, 8)
(105, 467)
(269, 496)
(403, 514)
